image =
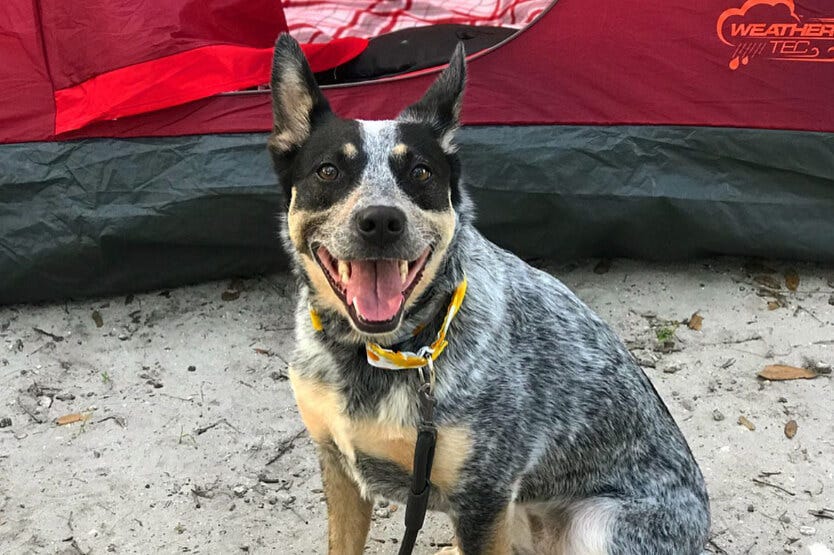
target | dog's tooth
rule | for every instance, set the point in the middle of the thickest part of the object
(344, 271)
(403, 270)
(355, 306)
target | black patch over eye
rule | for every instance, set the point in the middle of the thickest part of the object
(327, 172)
(420, 173)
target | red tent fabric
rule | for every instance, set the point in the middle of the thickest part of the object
(67, 64)
(737, 63)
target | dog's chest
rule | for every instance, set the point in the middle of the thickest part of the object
(384, 440)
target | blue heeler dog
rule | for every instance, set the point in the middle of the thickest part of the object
(550, 439)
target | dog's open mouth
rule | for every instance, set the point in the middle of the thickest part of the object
(374, 291)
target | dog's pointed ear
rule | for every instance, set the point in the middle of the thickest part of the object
(296, 98)
(440, 106)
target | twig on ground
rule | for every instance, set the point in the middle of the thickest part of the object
(754, 337)
(120, 420)
(718, 547)
(55, 337)
(286, 446)
(823, 513)
(28, 410)
(200, 431)
(801, 308)
(776, 486)
(187, 400)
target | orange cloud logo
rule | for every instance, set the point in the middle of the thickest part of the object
(772, 30)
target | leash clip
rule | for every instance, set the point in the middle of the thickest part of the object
(425, 393)
(427, 353)
(427, 403)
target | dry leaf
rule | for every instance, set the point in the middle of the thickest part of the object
(97, 318)
(790, 429)
(779, 372)
(746, 423)
(768, 281)
(72, 418)
(695, 322)
(773, 305)
(792, 279)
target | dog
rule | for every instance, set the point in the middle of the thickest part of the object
(550, 438)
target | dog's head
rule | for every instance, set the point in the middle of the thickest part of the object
(371, 204)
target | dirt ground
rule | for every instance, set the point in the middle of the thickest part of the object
(192, 443)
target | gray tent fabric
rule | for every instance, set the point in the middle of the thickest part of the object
(104, 216)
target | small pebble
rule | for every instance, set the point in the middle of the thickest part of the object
(240, 491)
(193, 368)
(717, 415)
(5, 422)
(822, 368)
(831, 300)
(45, 402)
(751, 508)
(382, 512)
(673, 368)
(807, 530)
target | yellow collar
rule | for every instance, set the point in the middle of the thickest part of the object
(404, 360)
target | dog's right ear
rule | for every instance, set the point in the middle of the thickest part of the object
(296, 98)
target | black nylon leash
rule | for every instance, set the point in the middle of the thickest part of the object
(418, 495)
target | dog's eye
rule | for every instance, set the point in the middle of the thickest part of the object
(327, 172)
(421, 173)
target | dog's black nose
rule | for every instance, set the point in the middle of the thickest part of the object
(380, 224)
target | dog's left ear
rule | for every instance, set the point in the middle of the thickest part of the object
(440, 106)
(296, 98)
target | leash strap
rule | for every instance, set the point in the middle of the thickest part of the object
(418, 495)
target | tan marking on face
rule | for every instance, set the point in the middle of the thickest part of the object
(443, 223)
(322, 410)
(298, 221)
(323, 293)
(349, 150)
(400, 150)
(348, 513)
(291, 123)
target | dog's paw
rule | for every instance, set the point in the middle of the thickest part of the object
(454, 550)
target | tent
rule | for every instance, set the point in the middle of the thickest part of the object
(132, 135)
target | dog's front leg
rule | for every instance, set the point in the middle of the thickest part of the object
(348, 513)
(483, 528)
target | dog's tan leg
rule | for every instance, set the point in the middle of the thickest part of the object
(348, 513)
(480, 534)
(500, 538)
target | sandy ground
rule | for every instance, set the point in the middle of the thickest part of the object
(193, 444)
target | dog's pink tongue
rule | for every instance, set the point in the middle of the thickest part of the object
(377, 287)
